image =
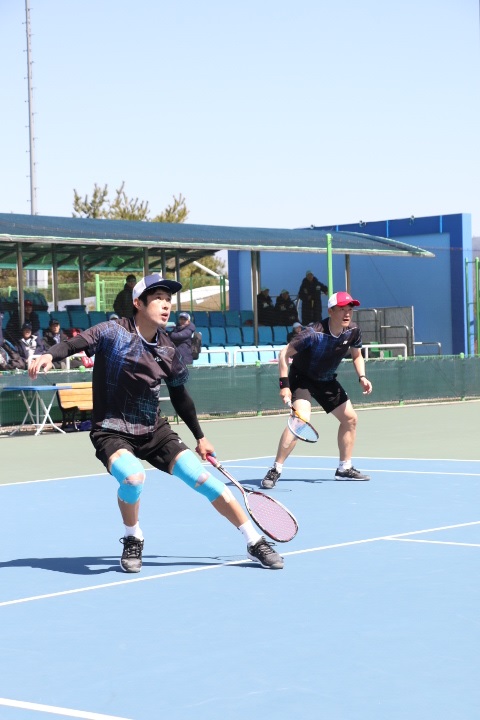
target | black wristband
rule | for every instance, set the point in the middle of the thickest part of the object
(284, 383)
(361, 376)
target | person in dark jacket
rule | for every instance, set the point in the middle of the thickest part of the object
(13, 331)
(266, 311)
(286, 312)
(29, 344)
(54, 334)
(10, 358)
(181, 336)
(123, 303)
(310, 294)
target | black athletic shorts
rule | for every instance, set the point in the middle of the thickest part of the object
(158, 448)
(329, 394)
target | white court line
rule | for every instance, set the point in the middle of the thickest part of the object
(434, 542)
(292, 467)
(321, 548)
(52, 710)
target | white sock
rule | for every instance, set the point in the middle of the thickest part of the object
(135, 530)
(344, 465)
(278, 467)
(249, 533)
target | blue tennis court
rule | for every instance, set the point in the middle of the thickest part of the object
(374, 617)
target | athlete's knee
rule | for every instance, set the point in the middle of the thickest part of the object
(189, 469)
(130, 474)
(349, 421)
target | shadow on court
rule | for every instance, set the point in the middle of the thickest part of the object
(90, 565)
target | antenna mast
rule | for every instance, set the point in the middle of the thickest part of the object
(33, 188)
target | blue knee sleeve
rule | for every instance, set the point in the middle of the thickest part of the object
(189, 469)
(125, 465)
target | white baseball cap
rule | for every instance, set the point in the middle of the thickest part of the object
(155, 281)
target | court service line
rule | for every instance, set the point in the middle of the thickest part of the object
(269, 458)
(292, 468)
(53, 710)
(349, 543)
(434, 542)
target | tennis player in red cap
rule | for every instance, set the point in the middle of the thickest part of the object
(315, 355)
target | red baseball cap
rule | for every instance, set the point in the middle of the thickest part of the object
(341, 299)
(28, 302)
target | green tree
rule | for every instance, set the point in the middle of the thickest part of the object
(125, 208)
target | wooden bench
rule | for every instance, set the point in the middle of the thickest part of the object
(73, 399)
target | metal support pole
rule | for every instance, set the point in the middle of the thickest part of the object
(81, 275)
(255, 261)
(329, 264)
(54, 278)
(177, 278)
(20, 291)
(347, 273)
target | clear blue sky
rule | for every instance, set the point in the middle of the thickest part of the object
(268, 113)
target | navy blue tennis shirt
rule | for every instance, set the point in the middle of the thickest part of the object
(319, 353)
(127, 374)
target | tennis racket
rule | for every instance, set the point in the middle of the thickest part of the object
(300, 427)
(270, 515)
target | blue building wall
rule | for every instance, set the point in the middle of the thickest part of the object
(435, 287)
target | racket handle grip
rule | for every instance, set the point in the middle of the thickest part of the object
(212, 460)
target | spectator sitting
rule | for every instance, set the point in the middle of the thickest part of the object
(181, 336)
(123, 303)
(29, 344)
(266, 311)
(296, 330)
(54, 334)
(13, 330)
(285, 309)
(52, 337)
(9, 358)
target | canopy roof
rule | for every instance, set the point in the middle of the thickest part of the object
(121, 244)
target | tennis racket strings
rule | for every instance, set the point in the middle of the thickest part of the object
(301, 428)
(270, 514)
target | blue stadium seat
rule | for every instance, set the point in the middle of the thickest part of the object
(234, 336)
(200, 317)
(218, 358)
(218, 336)
(96, 316)
(6, 318)
(205, 334)
(232, 318)
(217, 318)
(249, 355)
(265, 336)
(43, 318)
(203, 358)
(246, 316)
(79, 319)
(266, 354)
(247, 334)
(279, 334)
(62, 317)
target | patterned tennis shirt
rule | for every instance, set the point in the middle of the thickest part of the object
(319, 353)
(127, 374)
